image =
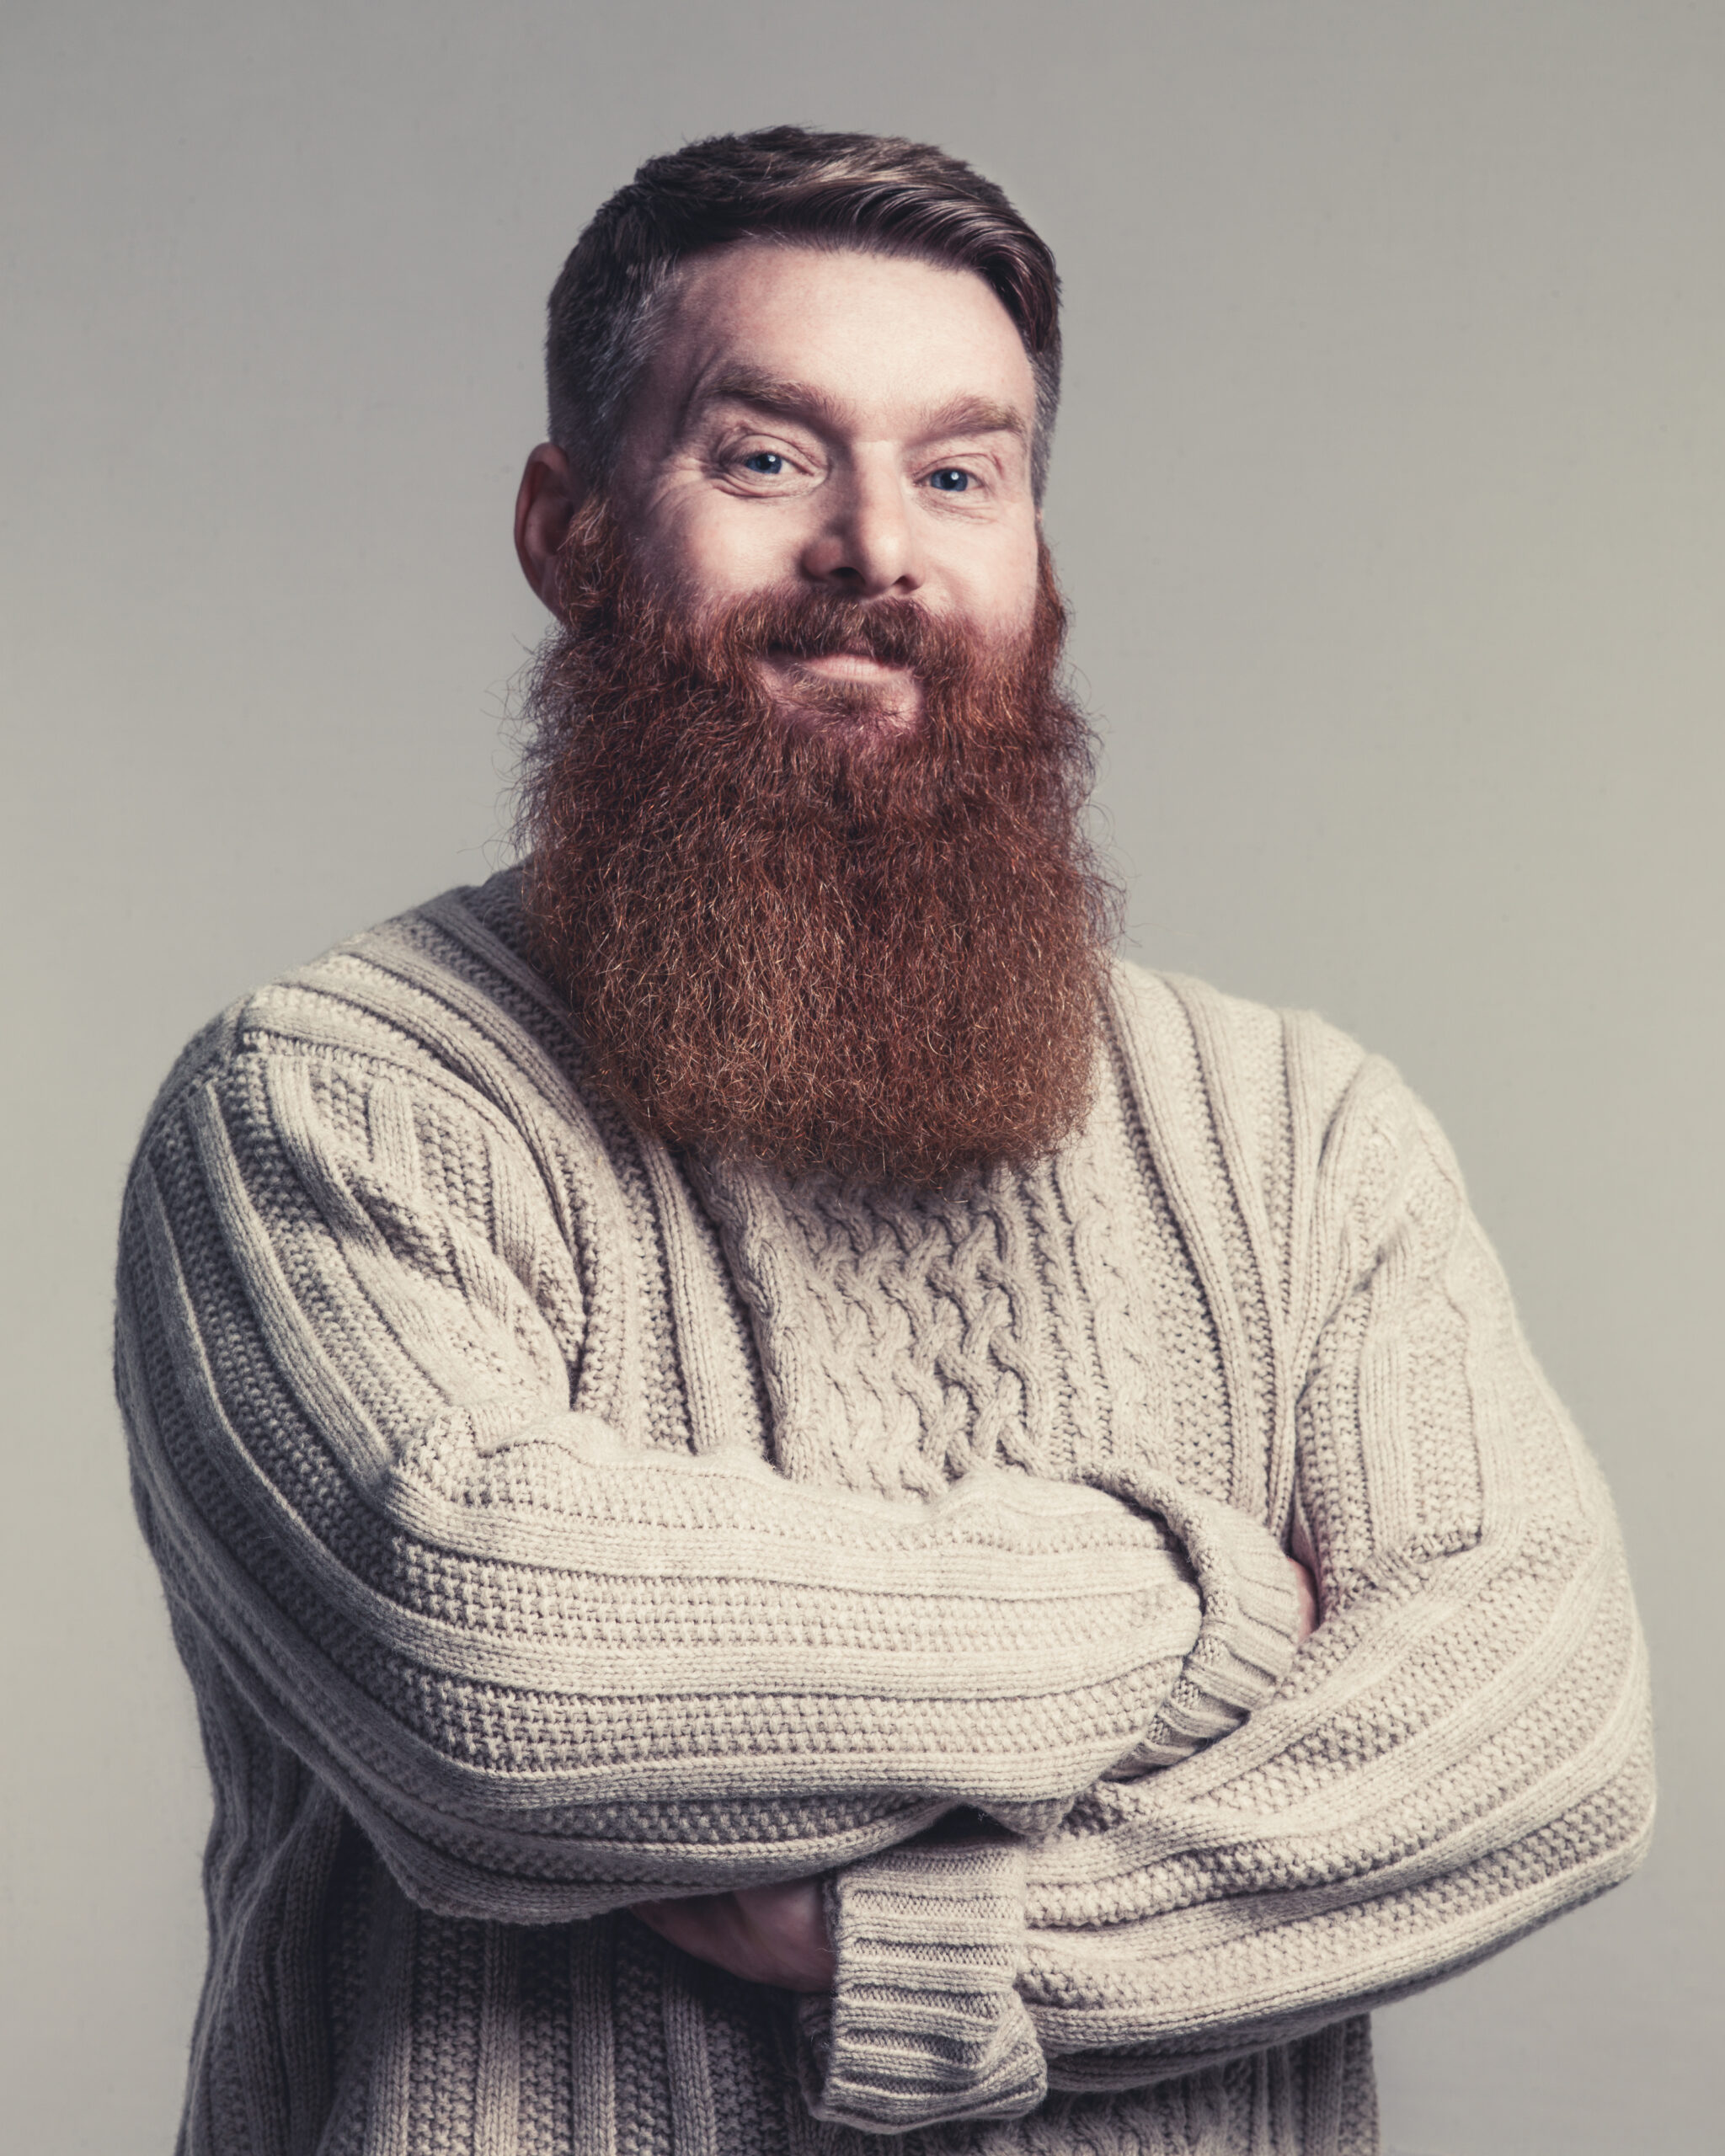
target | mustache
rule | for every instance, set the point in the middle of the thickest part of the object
(829, 624)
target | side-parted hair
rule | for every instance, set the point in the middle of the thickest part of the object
(876, 194)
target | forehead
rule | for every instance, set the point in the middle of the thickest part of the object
(880, 336)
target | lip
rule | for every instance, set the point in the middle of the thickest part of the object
(891, 696)
(840, 666)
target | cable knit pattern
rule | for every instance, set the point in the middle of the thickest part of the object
(549, 1522)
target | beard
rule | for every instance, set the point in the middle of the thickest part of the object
(814, 932)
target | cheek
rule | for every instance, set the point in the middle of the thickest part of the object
(712, 549)
(1004, 584)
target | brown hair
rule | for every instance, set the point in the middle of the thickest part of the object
(875, 193)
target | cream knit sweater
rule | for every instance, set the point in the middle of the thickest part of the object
(549, 1522)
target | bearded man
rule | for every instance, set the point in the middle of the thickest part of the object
(740, 1424)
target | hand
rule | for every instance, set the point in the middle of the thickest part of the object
(766, 1934)
(1306, 1588)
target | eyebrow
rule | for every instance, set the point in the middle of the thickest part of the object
(802, 400)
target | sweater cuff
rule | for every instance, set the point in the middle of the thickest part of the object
(924, 2025)
(1247, 1636)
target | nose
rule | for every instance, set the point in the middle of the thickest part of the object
(866, 541)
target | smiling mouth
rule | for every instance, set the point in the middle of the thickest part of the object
(839, 665)
(840, 686)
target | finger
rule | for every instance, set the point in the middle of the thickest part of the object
(1305, 1589)
(697, 1924)
(788, 1921)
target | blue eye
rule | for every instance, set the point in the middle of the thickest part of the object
(766, 461)
(949, 482)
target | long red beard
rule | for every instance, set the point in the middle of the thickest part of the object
(822, 941)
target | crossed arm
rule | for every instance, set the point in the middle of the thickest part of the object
(778, 1933)
(551, 1673)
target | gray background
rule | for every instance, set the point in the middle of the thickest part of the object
(1390, 495)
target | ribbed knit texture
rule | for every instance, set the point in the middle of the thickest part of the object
(549, 1522)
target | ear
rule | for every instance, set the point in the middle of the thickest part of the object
(550, 494)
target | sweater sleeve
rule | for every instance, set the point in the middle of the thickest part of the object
(1459, 1753)
(551, 1672)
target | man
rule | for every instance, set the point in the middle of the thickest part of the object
(740, 1424)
